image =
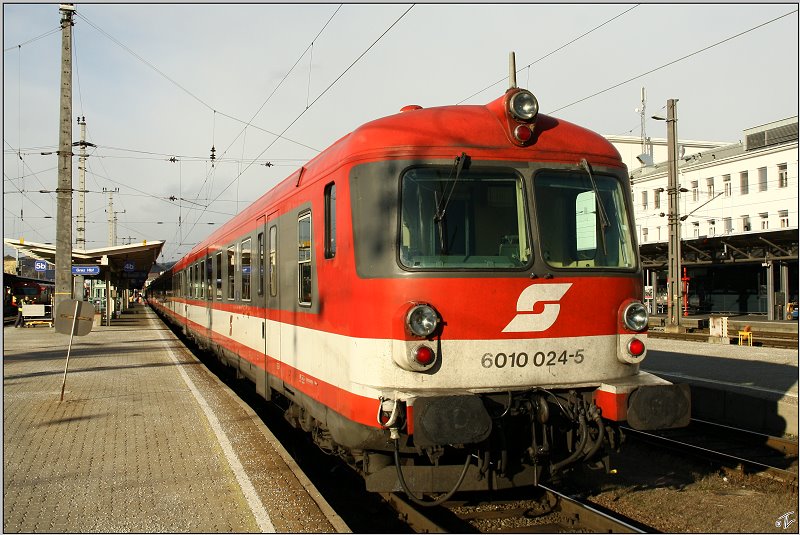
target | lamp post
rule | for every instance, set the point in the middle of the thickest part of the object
(674, 290)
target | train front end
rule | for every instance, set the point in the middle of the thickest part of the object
(509, 299)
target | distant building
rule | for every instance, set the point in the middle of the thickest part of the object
(739, 227)
(742, 187)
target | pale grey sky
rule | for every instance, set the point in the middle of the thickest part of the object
(156, 81)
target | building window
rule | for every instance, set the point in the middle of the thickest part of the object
(710, 187)
(304, 259)
(783, 175)
(745, 223)
(246, 269)
(712, 228)
(658, 232)
(784, 217)
(231, 272)
(744, 187)
(644, 234)
(657, 198)
(644, 200)
(762, 179)
(726, 182)
(695, 191)
(696, 229)
(727, 225)
(330, 220)
(764, 220)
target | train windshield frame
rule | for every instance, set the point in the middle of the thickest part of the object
(473, 220)
(583, 221)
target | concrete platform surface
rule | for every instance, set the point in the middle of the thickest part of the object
(756, 387)
(146, 440)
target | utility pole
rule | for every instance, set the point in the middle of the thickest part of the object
(674, 289)
(81, 241)
(114, 229)
(64, 198)
(111, 216)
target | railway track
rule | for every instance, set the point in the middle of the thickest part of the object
(736, 449)
(542, 510)
(546, 510)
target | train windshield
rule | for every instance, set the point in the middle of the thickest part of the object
(475, 219)
(583, 222)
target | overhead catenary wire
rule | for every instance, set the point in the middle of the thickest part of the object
(269, 97)
(29, 41)
(673, 62)
(323, 92)
(164, 75)
(565, 45)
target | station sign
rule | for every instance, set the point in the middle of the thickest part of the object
(85, 270)
(129, 266)
(40, 265)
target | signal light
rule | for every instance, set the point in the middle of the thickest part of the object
(523, 133)
(424, 355)
(636, 347)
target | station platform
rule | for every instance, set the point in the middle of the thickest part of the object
(750, 387)
(145, 440)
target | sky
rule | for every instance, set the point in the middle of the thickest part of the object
(278, 83)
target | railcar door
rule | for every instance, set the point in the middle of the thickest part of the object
(207, 294)
(272, 314)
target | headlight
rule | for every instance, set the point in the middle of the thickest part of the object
(523, 106)
(635, 317)
(422, 320)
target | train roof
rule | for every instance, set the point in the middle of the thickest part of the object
(436, 133)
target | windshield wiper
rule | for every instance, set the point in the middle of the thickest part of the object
(441, 204)
(604, 221)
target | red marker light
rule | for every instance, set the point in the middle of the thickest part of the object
(636, 347)
(523, 133)
(424, 355)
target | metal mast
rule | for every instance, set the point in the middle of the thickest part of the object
(64, 198)
(674, 246)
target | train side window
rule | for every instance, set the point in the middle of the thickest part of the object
(245, 251)
(231, 271)
(330, 220)
(209, 277)
(219, 276)
(304, 259)
(197, 289)
(201, 280)
(273, 261)
(260, 263)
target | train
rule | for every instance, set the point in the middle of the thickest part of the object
(15, 288)
(448, 298)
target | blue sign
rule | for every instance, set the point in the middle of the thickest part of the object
(85, 270)
(40, 265)
(129, 266)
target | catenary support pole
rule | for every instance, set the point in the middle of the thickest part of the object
(63, 256)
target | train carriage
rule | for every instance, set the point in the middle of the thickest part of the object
(446, 297)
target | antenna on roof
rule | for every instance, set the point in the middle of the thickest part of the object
(512, 71)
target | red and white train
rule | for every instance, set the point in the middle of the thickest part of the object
(446, 297)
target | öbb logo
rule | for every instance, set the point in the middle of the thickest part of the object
(526, 320)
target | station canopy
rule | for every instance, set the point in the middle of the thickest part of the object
(125, 266)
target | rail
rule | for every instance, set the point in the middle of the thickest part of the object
(755, 453)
